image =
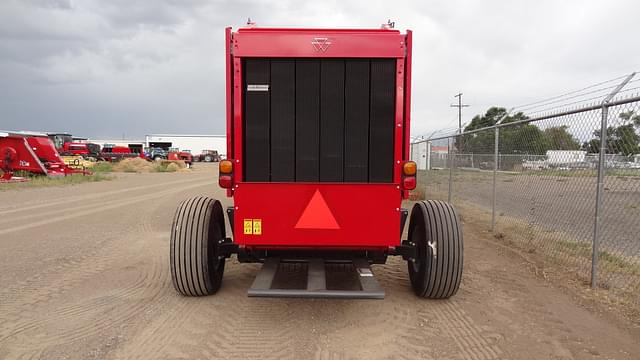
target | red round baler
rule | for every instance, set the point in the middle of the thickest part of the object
(317, 165)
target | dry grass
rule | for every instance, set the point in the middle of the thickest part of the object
(564, 260)
(138, 165)
(44, 181)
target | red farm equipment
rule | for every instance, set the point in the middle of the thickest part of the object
(317, 166)
(30, 152)
(177, 155)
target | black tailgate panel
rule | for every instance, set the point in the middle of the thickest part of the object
(319, 120)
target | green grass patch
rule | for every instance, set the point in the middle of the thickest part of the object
(102, 167)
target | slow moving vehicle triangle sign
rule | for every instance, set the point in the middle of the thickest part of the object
(317, 215)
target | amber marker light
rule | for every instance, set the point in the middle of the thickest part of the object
(409, 168)
(226, 167)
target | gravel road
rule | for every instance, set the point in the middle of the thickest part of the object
(84, 274)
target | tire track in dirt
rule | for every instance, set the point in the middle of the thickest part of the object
(157, 278)
(113, 310)
(137, 289)
(405, 332)
(234, 326)
(109, 206)
(93, 196)
(189, 318)
(90, 262)
(467, 335)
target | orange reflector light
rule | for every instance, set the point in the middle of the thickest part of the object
(226, 167)
(409, 168)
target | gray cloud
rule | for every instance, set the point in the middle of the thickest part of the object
(104, 68)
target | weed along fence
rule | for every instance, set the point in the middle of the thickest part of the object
(562, 183)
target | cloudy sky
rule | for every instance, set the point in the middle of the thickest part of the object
(132, 67)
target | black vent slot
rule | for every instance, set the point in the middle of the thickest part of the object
(319, 120)
(283, 117)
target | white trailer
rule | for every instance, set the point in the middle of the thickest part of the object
(565, 156)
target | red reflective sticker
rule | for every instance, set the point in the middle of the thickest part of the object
(317, 215)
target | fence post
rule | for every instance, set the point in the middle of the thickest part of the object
(451, 163)
(428, 155)
(595, 249)
(496, 142)
(496, 166)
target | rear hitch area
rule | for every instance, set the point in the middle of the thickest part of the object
(317, 285)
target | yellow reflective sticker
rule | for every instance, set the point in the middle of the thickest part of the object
(248, 227)
(257, 226)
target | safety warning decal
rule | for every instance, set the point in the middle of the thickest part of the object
(248, 227)
(257, 226)
(252, 226)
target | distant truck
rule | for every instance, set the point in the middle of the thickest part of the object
(207, 156)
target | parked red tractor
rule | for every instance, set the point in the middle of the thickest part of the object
(317, 165)
(207, 156)
(177, 155)
(30, 152)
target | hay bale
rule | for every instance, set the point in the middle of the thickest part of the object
(134, 165)
(173, 167)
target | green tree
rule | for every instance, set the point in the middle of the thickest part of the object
(560, 139)
(516, 139)
(622, 139)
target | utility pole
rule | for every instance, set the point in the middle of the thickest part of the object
(459, 105)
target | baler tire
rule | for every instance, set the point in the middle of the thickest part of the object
(197, 230)
(436, 231)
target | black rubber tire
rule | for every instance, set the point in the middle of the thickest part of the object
(198, 228)
(208, 158)
(436, 231)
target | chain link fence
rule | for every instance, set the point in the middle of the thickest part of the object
(566, 184)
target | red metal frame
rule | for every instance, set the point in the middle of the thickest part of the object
(370, 218)
(368, 214)
(275, 42)
(33, 153)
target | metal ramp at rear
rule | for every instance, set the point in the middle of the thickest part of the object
(369, 288)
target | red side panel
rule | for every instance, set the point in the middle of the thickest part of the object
(318, 215)
(229, 93)
(229, 90)
(407, 102)
(399, 119)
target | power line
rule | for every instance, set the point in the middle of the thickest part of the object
(570, 92)
(528, 108)
(459, 106)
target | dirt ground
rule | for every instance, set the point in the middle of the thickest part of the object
(84, 274)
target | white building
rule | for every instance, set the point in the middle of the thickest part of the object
(194, 143)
